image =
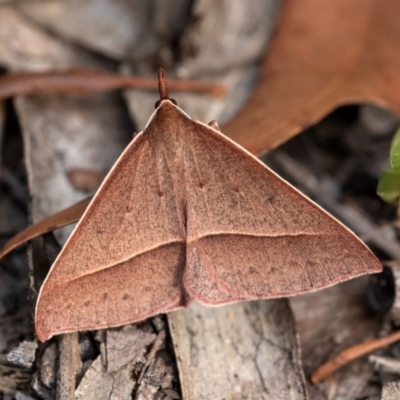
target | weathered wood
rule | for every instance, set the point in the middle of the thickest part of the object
(95, 26)
(68, 364)
(246, 30)
(242, 351)
(63, 133)
(228, 53)
(386, 364)
(98, 384)
(24, 355)
(125, 345)
(24, 47)
(391, 391)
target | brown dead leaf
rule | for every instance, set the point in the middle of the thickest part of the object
(325, 54)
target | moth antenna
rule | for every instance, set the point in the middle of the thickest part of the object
(162, 84)
(163, 87)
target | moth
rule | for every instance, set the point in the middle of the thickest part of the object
(187, 214)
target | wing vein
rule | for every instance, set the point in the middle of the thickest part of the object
(121, 262)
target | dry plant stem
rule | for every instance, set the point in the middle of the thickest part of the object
(89, 81)
(351, 354)
(68, 365)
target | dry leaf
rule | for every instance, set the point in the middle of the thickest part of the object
(325, 54)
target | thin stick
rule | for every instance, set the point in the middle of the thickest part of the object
(89, 81)
(351, 354)
(68, 365)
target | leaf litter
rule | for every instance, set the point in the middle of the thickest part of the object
(55, 115)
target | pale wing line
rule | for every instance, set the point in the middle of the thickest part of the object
(250, 202)
(219, 135)
(122, 262)
(221, 285)
(265, 245)
(94, 199)
(224, 233)
(212, 271)
(314, 287)
(317, 206)
(131, 257)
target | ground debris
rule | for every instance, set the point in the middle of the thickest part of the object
(391, 391)
(72, 141)
(126, 345)
(98, 384)
(47, 366)
(386, 364)
(23, 355)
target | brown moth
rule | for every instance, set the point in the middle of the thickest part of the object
(187, 214)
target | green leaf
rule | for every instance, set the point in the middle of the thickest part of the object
(389, 185)
(395, 151)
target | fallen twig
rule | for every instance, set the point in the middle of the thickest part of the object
(351, 354)
(89, 81)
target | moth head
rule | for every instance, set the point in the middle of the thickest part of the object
(158, 102)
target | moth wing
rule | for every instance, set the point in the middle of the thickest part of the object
(251, 235)
(101, 279)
